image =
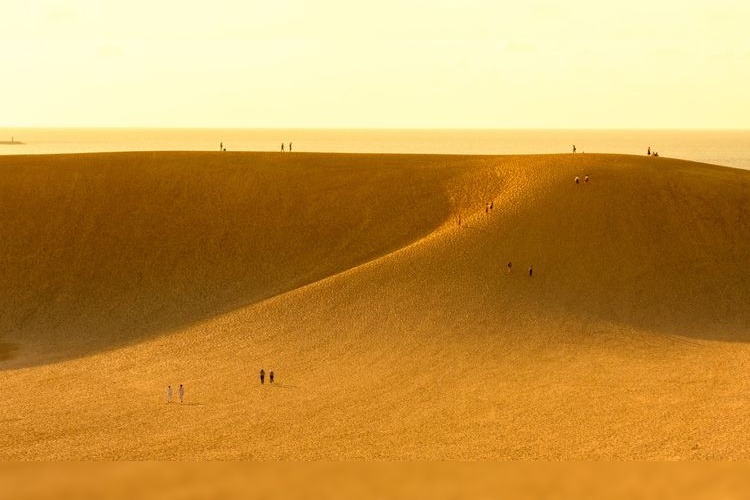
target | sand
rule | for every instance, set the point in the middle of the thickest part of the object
(393, 332)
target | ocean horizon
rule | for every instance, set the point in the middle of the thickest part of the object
(720, 147)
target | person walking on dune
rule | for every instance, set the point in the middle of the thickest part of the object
(169, 394)
(574, 148)
(270, 377)
(510, 267)
(282, 147)
(649, 151)
(290, 147)
(262, 376)
(531, 271)
(181, 393)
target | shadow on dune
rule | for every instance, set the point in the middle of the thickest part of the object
(7, 351)
(104, 250)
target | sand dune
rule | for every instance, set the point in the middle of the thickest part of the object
(394, 332)
(108, 249)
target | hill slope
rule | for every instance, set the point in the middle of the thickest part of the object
(102, 250)
(396, 334)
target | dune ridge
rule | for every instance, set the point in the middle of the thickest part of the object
(123, 245)
(395, 333)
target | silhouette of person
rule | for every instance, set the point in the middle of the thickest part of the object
(181, 393)
(577, 180)
(270, 377)
(486, 208)
(649, 150)
(290, 147)
(574, 148)
(169, 394)
(492, 205)
(531, 271)
(282, 147)
(262, 375)
(510, 266)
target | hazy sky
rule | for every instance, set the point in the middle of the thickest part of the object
(384, 63)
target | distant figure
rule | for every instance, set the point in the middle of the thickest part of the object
(169, 394)
(655, 154)
(531, 271)
(181, 393)
(221, 146)
(224, 149)
(586, 179)
(270, 375)
(649, 150)
(262, 376)
(510, 266)
(574, 148)
(492, 204)
(282, 147)
(577, 180)
(486, 208)
(290, 147)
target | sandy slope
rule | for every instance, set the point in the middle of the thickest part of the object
(394, 333)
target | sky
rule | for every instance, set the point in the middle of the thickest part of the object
(375, 64)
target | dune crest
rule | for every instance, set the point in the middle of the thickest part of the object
(105, 249)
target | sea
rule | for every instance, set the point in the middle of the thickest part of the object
(720, 147)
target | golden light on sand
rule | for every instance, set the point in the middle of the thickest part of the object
(393, 332)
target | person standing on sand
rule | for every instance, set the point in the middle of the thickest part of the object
(290, 147)
(270, 377)
(531, 271)
(169, 394)
(574, 148)
(262, 376)
(282, 147)
(221, 146)
(181, 393)
(649, 150)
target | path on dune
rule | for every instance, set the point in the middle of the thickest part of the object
(626, 343)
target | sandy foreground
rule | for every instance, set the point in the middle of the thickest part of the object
(376, 480)
(393, 332)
